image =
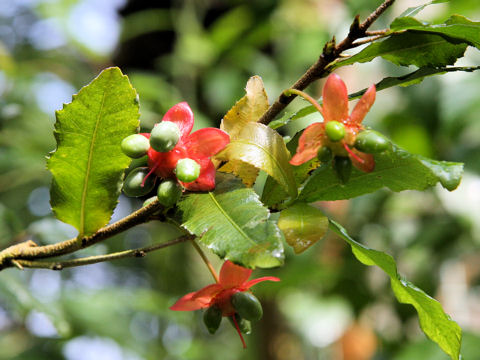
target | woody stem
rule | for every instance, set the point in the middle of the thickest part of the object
(206, 261)
(304, 95)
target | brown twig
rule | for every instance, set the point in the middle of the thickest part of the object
(331, 51)
(30, 250)
(60, 265)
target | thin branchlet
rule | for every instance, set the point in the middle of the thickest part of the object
(319, 68)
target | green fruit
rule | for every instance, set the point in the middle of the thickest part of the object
(187, 170)
(164, 136)
(343, 168)
(324, 154)
(371, 142)
(247, 305)
(135, 146)
(132, 186)
(335, 130)
(244, 325)
(169, 192)
(212, 317)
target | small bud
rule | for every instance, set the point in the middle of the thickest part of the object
(247, 305)
(335, 130)
(212, 317)
(324, 154)
(187, 170)
(371, 142)
(343, 168)
(135, 146)
(135, 184)
(164, 136)
(168, 193)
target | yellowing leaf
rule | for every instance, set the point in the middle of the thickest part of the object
(248, 109)
(303, 225)
(262, 147)
(248, 172)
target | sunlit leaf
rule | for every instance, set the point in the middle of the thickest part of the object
(409, 79)
(395, 169)
(410, 49)
(246, 110)
(262, 147)
(457, 28)
(88, 164)
(234, 224)
(434, 322)
(303, 225)
(273, 194)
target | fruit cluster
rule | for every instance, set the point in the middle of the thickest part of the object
(341, 138)
(171, 153)
(246, 307)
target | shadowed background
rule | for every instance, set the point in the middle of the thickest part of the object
(327, 306)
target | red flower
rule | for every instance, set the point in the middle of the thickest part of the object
(199, 146)
(335, 108)
(233, 278)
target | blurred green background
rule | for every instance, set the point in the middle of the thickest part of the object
(327, 306)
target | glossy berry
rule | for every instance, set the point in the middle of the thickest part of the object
(247, 305)
(187, 170)
(335, 130)
(343, 168)
(134, 184)
(324, 154)
(168, 193)
(212, 317)
(164, 136)
(371, 142)
(243, 325)
(135, 146)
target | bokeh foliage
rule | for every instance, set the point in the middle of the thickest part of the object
(203, 53)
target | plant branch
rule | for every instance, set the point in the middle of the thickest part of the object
(331, 51)
(30, 250)
(206, 261)
(60, 265)
(366, 41)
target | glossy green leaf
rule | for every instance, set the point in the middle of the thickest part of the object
(303, 225)
(272, 194)
(262, 147)
(412, 11)
(412, 78)
(395, 169)
(434, 322)
(247, 110)
(456, 28)
(233, 223)
(409, 49)
(88, 164)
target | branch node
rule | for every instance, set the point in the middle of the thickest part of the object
(355, 30)
(57, 267)
(17, 264)
(140, 253)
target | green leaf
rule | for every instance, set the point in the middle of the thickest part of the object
(434, 322)
(416, 9)
(396, 169)
(412, 78)
(234, 224)
(456, 28)
(409, 49)
(303, 225)
(88, 164)
(272, 194)
(262, 147)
